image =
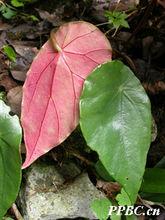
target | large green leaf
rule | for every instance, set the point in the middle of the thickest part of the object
(10, 162)
(153, 181)
(161, 163)
(115, 119)
(155, 197)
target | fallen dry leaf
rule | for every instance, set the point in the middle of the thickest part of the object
(25, 55)
(162, 3)
(54, 18)
(4, 26)
(154, 88)
(14, 98)
(3, 65)
(123, 5)
(7, 82)
(109, 188)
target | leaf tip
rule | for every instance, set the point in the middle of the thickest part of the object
(26, 164)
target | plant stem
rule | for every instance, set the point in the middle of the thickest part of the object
(16, 212)
(102, 24)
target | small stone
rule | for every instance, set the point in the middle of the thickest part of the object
(46, 195)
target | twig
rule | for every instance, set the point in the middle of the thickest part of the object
(101, 24)
(1, 2)
(115, 32)
(144, 202)
(148, 204)
(126, 58)
(79, 156)
(154, 88)
(16, 212)
(144, 18)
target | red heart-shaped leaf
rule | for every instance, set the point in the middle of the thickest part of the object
(50, 106)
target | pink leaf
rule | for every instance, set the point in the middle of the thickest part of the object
(50, 107)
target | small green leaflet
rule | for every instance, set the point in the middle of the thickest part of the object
(10, 161)
(7, 11)
(101, 208)
(115, 118)
(2, 95)
(117, 19)
(20, 3)
(33, 18)
(17, 3)
(123, 198)
(131, 217)
(10, 53)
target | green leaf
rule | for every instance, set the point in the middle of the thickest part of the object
(29, 1)
(21, 3)
(117, 18)
(115, 118)
(154, 197)
(33, 18)
(7, 218)
(161, 163)
(101, 208)
(17, 3)
(103, 173)
(114, 216)
(131, 217)
(10, 53)
(124, 23)
(123, 198)
(7, 12)
(10, 161)
(153, 181)
(2, 95)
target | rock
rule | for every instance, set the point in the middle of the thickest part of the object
(47, 196)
